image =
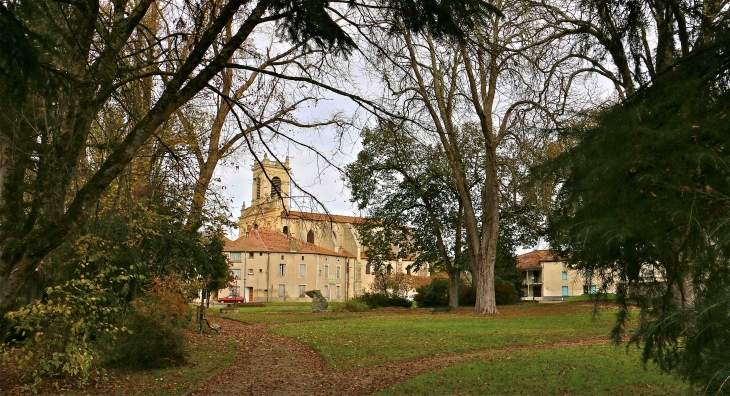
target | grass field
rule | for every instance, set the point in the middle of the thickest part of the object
(524, 362)
(571, 370)
(358, 340)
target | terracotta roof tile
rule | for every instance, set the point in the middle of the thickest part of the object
(534, 258)
(263, 240)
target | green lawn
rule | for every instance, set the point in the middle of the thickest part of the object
(574, 370)
(252, 317)
(351, 340)
(354, 341)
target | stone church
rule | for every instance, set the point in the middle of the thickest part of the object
(281, 253)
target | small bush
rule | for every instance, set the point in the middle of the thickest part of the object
(377, 300)
(505, 292)
(57, 336)
(434, 294)
(352, 305)
(156, 323)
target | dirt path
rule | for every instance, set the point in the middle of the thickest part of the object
(268, 364)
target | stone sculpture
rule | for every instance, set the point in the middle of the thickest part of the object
(319, 303)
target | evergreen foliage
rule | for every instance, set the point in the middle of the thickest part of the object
(644, 205)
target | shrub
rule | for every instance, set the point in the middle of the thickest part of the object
(437, 293)
(376, 300)
(56, 336)
(352, 305)
(156, 323)
(468, 295)
(505, 292)
(434, 294)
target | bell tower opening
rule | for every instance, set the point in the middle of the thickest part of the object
(271, 183)
(275, 187)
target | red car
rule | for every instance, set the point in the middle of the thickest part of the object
(231, 299)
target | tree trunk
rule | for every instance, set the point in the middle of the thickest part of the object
(486, 301)
(454, 289)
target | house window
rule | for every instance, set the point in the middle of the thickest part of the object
(326, 292)
(565, 275)
(389, 269)
(593, 289)
(285, 230)
(326, 271)
(236, 273)
(310, 237)
(408, 270)
(260, 254)
(302, 270)
(302, 290)
(250, 254)
(367, 268)
(565, 291)
(302, 258)
(282, 257)
(282, 269)
(250, 271)
(236, 257)
(281, 290)
(338, 292)
(234, 291)
(338, 272)
(261, 271)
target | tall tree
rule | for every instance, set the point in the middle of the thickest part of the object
(506, 78)
(65, 61)
(400, 181)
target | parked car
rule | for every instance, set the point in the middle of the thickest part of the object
(232, 299)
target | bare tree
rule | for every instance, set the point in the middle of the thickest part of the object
(248, 105)
(67, 60)
(506, 81)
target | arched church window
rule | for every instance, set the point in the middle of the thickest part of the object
(255, 226)
(286, 230)
(310, 237)
(258, 187)
(275, 186)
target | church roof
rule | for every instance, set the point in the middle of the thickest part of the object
(263, 240)
(533, 259)
(321, 217)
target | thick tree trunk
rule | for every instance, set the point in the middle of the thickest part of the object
(484, 278)
(454, 289)
(205, 175)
